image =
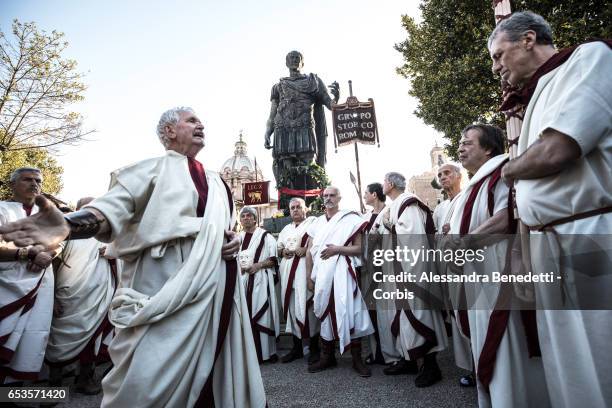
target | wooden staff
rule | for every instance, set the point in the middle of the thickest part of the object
(502, 10)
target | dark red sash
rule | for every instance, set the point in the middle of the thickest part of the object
(196, 170)
(88, 354)
(498, 321)
(521, 97)
(426, 332)
(256, 327)
(206, 398)
(331, 305)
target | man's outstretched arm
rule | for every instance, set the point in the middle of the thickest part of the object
(46, 229)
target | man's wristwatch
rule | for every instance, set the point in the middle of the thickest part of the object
(22, 254)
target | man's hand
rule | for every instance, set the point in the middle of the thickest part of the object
(311, 284)
(230, 249)
(330, 251)
(300, 252)
(506, 176)
(445, 228)
(287, 254)
(40, 262)
(45, 229)
(267, 144)
(256, 267)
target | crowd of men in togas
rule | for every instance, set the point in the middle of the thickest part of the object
(191, 307)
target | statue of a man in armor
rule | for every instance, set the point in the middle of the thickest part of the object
(297, 117)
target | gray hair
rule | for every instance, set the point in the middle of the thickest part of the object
(299, 200)
(335, 188)
(18, 172)
(519, 23)
(397, 179)
(456, 168)
(170, 117)
(249, 210)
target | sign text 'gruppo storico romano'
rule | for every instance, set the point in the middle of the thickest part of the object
(355, 121)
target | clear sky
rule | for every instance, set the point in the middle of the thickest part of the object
(222, 58)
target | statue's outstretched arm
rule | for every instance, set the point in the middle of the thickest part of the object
(270, 124)
(334, 88)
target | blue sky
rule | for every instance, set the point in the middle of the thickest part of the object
(222, 58)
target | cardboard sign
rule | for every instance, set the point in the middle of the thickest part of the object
(354, 122)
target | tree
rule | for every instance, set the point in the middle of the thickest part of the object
(39, 158)
(448, 64)
(36, 87)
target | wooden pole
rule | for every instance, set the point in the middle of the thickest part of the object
(257, 208)
(502, 9)
(361, 206)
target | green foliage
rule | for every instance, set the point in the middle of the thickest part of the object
(36, 88)
(308, 177)
(39, 158)
(448, 64)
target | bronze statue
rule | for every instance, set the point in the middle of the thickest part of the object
(297, 117)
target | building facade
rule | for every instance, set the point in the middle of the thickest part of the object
(240, 169)
(422, 185)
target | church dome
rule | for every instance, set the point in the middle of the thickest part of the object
(240, 164)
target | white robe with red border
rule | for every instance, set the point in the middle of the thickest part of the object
(260, 289)
(462, 349)
(24, 329)
(169, 308)
(84, 287)
(576, 100)
(299, 300)
(410, 230)
(517, 380)
(384, 313)
(337, 298)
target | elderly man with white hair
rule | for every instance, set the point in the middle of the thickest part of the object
(449, 177)
(257, 259)
(563, 189)
(26, 287)
(418, 326)
(296, 299)
(334, 251)
(183, 336)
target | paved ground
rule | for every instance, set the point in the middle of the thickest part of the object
(290, 385)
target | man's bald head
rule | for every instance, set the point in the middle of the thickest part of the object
(449, 176)
(331, 198)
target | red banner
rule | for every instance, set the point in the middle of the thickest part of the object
(300, 193)
(297, 193)
(256, 193)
